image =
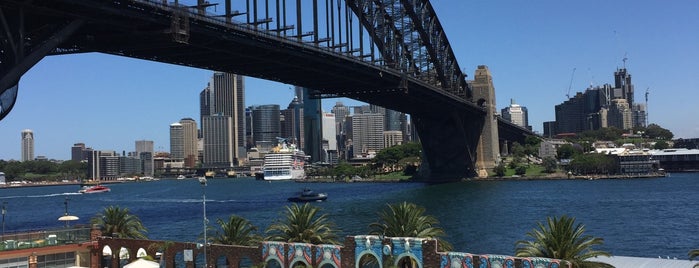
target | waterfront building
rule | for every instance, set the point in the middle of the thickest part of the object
(27, 145)
(77, 152)
(189, 142)
(225, 96)
(176, 141)
(266, 126)
(144, 151)
(218, 141)
(367, 134)
(677, 159)
(516, 114)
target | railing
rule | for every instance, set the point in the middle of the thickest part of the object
(44, 238)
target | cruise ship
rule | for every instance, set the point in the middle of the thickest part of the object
(285, 162)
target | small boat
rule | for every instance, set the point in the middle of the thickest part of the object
(231, 174)
(181, 177)
(94, 189)
(308, 195)
(209, 174)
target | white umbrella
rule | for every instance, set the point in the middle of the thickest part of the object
(142, 263)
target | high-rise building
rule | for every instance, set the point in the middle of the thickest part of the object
(292, 129)
(312, 127)
(144, 152)
(189, 140)
(619, 115)
(392, 138)
(570, 115)
(367, 133)
(329, 137)
(218, 141)
(623, 88)
(639, 115)
(266, 126)
(177, 141)
(516, 114)
(77, 152)
(27, 145)
(225, 96)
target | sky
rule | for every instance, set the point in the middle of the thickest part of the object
(530, 47)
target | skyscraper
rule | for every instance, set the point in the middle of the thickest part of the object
(27, 145)
(218, 141)
(312, 126)
(266, 122)
(293, 122)
(189, 139)
(622, 86)
(367, 133)
(516, 114)
(76, 152)
(144, 151)
(225, 96)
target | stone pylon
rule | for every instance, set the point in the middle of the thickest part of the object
(488, 152)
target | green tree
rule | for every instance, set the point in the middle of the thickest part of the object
(500, 169)
(661, 145)
(303, 224)
(549, 164)
(236, 231)
(119, 223)
(521, 170)
(562, 239)
(654, 131)
(409, 220)
(566, 151)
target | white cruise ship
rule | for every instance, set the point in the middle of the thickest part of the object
(285, 162)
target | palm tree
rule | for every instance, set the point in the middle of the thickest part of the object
(236, 231)
(562, 239)
(303, 224)
(119, 223)
(409, 220)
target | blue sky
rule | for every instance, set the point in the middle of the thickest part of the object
(530, 47)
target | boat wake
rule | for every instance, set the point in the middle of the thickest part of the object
(42, 195)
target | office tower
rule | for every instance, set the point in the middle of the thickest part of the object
(367, 133)
(177, 141)
(516, 114)
(619, 115)
(570, 115)
(639, 115)
(488, 145)
(218, 141)
(27, 145)
(144, 151)
(313, 139)
(549, 129)
(329, 136)
(341, 113)
(392, 138)
(266, 126)
(292, 128)
(225, 96)
(392, 120)
(76, 152)
(622, 86)
(249, 141)
(189, 140)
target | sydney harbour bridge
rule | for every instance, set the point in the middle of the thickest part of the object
(392, 53)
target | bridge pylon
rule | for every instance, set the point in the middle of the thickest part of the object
(488, 143)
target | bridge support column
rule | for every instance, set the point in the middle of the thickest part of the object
(17, 57)
(448, 145)
(488, 145)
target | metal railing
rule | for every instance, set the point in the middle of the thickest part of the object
(44, 238)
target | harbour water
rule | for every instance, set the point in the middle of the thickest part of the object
(636, 217)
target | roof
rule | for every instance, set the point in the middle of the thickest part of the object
(639, 262)
(679, 151)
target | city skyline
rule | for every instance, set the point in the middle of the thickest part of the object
(108, 102)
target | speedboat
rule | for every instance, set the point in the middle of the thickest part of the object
(308, 195)
(94, 189)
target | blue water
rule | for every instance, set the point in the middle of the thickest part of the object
(639, 217)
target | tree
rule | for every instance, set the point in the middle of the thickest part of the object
(661, 145)
(303, 224)
(119, 223)
(500, 169)
(236, 231)
(562, 239)
(409, 220)
(566, 151)
(521, 170)
(549, 164)
(654, 131)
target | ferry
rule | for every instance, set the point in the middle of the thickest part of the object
(94, 189)
(285, 162)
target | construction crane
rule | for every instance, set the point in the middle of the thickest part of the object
(647, 106)
(570, 84)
